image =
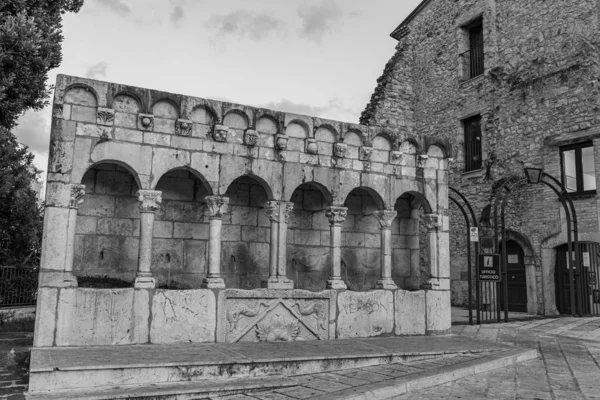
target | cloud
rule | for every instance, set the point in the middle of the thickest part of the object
(333, 109)
(244, 23)
(116, 6)
(97, 70)
(34, 130)
(176, 15)
(317, 20)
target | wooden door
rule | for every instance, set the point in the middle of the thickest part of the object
(517, 280)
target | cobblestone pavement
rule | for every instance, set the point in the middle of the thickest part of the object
(13, 379)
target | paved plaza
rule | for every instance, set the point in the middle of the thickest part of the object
(569, 368)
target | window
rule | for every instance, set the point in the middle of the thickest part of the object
(578, 172)
(474, 56)
(472, 127)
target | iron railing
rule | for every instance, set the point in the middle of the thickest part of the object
(473, 59)
(472, 155)
(18, 286)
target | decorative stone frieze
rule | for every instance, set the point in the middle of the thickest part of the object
(217, 206)
(57, 111)
(287, 210)
(311, 146)
(432, 222)
(422, 160)
(105, 116)
(281, 142)
(146, 122)
(183, 127)
(396, 157)
(150, 200)
(340, 150)
(364, 153)
(220, 133)
(336, 215)
(250, 137)
(385, 218)
(77, 193)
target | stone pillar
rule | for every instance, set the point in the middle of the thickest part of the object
(336, 216)
(437, 298)
(385, 218)
(149, 202)
(281, 281)
(272, 210)
(217, 205)
(77, 193)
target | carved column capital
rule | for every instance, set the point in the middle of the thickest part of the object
(432, 222)
(287, 210)
(217, 205)
(77, 193)
(385, 218)
(336, 215)
(150, 200)
(272, 210)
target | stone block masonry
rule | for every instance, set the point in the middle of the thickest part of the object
(193, 199)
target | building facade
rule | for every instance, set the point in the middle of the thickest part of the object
(508, 84)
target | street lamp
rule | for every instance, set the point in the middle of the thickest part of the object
(534, 175)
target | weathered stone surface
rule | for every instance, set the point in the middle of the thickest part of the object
(365, 314)
(45, 320)
(94, 317)
(183, 316)
(409, 313)
(437, 302)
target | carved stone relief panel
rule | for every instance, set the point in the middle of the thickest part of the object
(275, 315)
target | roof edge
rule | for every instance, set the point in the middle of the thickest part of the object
(402, 29)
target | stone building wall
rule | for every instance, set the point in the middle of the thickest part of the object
(539, 91)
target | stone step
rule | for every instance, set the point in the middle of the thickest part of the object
(106, 367)
(171, 391)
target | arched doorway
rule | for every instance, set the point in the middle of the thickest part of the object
(516, 277)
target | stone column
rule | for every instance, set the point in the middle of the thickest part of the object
(217, 205)
(272, 210)
(336, 216)
(149, 202)
(281, 281)
(438, 288)
(77, 193)
(385, 218)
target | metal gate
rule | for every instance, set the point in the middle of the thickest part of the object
(584, 284)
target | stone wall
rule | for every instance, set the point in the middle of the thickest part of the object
(538, 92)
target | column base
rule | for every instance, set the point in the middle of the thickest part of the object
(213, 283)
(57, 279)
(280, 282)
(336, 284)
(144, 282)
(387, 283)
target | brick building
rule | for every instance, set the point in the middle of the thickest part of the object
(507, 83)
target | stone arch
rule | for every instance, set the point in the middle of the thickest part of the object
(298, 128)
(236, 119)
(106, 242)
(245, 239)
(267, 124)
(381, 148)
(333, 135)
(308, 236)
(416, 200)
(197, 175)
(438, 148)
(165, 108)
(80, 94)
(203, 114)
(263, 183)
(354, 137)
(409, 145)
(127, 102)
(120, 163)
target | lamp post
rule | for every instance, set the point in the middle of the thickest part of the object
(534, 175)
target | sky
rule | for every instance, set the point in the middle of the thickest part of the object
(316, 57)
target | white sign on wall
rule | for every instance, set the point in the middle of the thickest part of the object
(474, 234)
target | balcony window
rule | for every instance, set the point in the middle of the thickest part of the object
(472, 131)
(474, 56)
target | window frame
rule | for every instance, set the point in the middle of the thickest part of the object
(466, 124)
(578, 147)
(475, 68)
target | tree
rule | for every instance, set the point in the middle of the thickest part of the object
(20, 213)
(30, 46)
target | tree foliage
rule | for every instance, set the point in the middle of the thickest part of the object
(20, 213)
(30, 46)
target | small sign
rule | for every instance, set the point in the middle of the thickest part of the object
(486, 244)
(513, 258)
(474, 234)
(489, 267)
(586, 259)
